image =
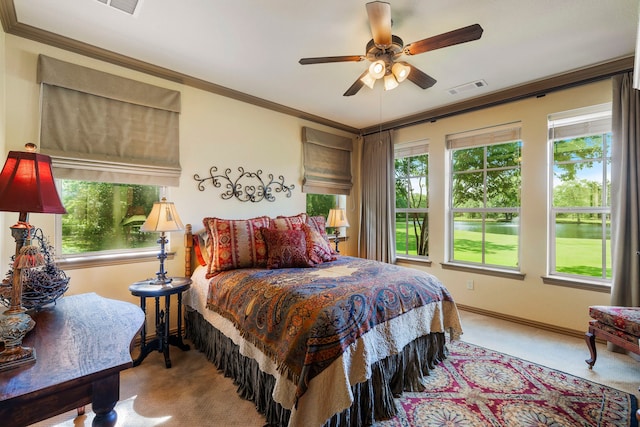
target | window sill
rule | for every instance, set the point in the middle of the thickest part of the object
(90, 261)
(509, 274)
(417, 261)
(588, 285)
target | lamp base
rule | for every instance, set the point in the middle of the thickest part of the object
(14, 325)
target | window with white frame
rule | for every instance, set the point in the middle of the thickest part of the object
(580, 187)
(484, 220)
(412, 199)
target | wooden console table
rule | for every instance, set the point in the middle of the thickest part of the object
(82, 343)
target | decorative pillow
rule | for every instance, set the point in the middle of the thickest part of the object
(286, 248)
(289, 222)
(319, 223)
(202, 246)
(318, 249)
(236, 243)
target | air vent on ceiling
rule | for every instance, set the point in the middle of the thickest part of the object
(128, 6)
(467, 87)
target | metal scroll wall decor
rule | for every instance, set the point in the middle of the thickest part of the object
(247, 186)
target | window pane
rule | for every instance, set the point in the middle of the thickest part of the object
(503, 188)
(588, 147)
(467, 237)
(467, 159)
(503, 155)
(412, 202)
(501, 239)
(468, 190)
(582, 248)
(104, 216)
(320, 204)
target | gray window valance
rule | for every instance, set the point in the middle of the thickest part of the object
(101, 127)
(327, 162)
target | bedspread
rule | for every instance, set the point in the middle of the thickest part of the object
(305, 318)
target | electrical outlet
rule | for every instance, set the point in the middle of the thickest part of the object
(470, 285)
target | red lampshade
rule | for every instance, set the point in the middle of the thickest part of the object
(26, 184)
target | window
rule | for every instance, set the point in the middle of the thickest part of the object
(114, 142)
(485, 197)
(320, 204)
(580, 214)
(105, 217)
(412, 199)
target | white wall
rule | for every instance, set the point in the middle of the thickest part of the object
(528, 299)
(214, 131)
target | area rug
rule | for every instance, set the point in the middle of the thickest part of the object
(475, 386)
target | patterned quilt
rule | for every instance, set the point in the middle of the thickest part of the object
(304, 318)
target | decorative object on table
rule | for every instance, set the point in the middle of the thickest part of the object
(26, 185)
(337, 218)
(41, 286)
(163, 218)
(247, 187)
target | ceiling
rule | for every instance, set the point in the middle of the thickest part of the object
(250, 49)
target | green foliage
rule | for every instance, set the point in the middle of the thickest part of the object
(320, 204)
(95, 211)
(411, 182)
(573, 155)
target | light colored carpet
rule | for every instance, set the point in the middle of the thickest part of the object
(193, 393)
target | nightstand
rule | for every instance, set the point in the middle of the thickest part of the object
(147, 289)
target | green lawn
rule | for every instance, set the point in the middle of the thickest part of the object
(573, 255)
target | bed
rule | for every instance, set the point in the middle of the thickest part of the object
(311, 337)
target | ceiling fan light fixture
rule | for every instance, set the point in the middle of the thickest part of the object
(368, 80)
(390, 82)
(377, 69)
(400, 71)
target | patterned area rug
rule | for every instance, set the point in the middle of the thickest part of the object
(480, 387)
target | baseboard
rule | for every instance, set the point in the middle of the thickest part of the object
(525, 322)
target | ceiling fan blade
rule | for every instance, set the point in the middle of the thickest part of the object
(418, 77)
(461, 35)
(356, 86)
(326, 59)
(380, 22)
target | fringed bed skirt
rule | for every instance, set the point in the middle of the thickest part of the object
(373, 399)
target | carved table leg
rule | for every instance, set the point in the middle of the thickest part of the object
(591, 343)
(106, 393)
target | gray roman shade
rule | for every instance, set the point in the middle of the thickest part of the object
(327, 162)
(488, 136)
(101, 127)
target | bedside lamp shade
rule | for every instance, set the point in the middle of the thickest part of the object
(27, 185)
(337, 218)
(163, 218)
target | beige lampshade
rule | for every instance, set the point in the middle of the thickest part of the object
(163, 217)
(377, 69)
(369, 80)
(337, 218)
(400, 71)
(390, 82)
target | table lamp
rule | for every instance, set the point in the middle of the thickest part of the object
(163, 218)
(26, 185)
(337, 218)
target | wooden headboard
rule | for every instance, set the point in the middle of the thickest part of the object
(189, 257)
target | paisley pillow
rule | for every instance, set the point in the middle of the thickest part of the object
(286, 248)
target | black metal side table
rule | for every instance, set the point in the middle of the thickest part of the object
(148, 289)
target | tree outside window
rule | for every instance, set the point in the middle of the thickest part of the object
(580, 212)
(485, 204)
(412, 202)
(105, 217)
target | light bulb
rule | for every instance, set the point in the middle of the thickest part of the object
(377, 69)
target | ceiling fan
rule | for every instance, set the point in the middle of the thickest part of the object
(385, 49)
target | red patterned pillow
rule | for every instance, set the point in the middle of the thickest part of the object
(319, 223)
(236, 243)
(318, 249)
(286, 248)
(289, 222)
